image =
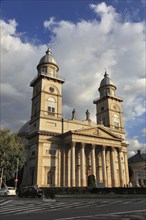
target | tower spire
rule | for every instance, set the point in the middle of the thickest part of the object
(49, 49)
(105, 74)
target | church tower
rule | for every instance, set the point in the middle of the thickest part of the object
(45, 122)
(108, 106)
(47, 94)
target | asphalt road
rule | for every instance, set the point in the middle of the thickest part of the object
(130, 208)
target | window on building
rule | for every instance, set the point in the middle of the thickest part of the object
(116, 121)
(112, 92)
(51, 72)
(35, 109)
(33, 153)
(51, 106)
(44, 70)
(102, 108)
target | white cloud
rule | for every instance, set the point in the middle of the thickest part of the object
(8, 28)
(18, 68)
(82, 50)
(134, 146)
(48, 24)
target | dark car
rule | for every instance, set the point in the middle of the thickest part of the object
(30, 191)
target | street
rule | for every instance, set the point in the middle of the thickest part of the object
(130, 208)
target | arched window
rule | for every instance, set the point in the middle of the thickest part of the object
(112, 92)
(44, 70)
(116, 121)
(51, 106)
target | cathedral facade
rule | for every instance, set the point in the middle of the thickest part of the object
(64, 152)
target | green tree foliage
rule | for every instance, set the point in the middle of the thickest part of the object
(11, 153)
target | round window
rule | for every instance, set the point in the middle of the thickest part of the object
(51, 89)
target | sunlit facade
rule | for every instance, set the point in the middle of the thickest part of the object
(64, 152)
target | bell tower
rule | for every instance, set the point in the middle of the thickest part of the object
(108, 106)
(47, 94)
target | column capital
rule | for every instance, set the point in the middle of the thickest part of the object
(103, 148)
(83, 144)
(93, 146)
(119, 149)
(113, 149)
(73, 144)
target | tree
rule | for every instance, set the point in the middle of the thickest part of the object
(12, 156)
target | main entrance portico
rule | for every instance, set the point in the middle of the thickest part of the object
(83, 155)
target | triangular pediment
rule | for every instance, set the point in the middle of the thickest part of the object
(98, 131)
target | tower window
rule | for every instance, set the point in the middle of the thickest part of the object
(112, 92)
(116, 121)
(44, 70)
(102, 108)
(35, 110)
(51, 106)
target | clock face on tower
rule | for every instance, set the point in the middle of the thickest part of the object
(51, 89)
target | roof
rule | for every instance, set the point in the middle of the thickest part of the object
(98, 131)
(137, 158)
(25, 128)
(106, 81)
(48, 58)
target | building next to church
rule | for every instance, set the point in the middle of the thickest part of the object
(137, 169)
(64, 152)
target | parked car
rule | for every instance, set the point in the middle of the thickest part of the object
(30, 191)
(8, 191)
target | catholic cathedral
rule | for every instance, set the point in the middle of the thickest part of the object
(64, 152)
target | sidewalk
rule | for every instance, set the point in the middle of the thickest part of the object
(102, 196)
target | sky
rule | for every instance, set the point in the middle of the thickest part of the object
(85, 37)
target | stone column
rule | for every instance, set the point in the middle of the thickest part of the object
(78, 180)
(59, 168)
(126, 168)
(120, 167)
(73, 164)
(69, 168)
(93, 163)
(99, 168)
(83, 177)
(104, 173)
(63, 167)
(56, 167)
(112, 157)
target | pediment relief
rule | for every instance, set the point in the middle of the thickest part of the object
(98, 132)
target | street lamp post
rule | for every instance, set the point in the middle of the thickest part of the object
(1, 178)
(16, 176)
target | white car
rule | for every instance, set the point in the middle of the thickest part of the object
(8, 191)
